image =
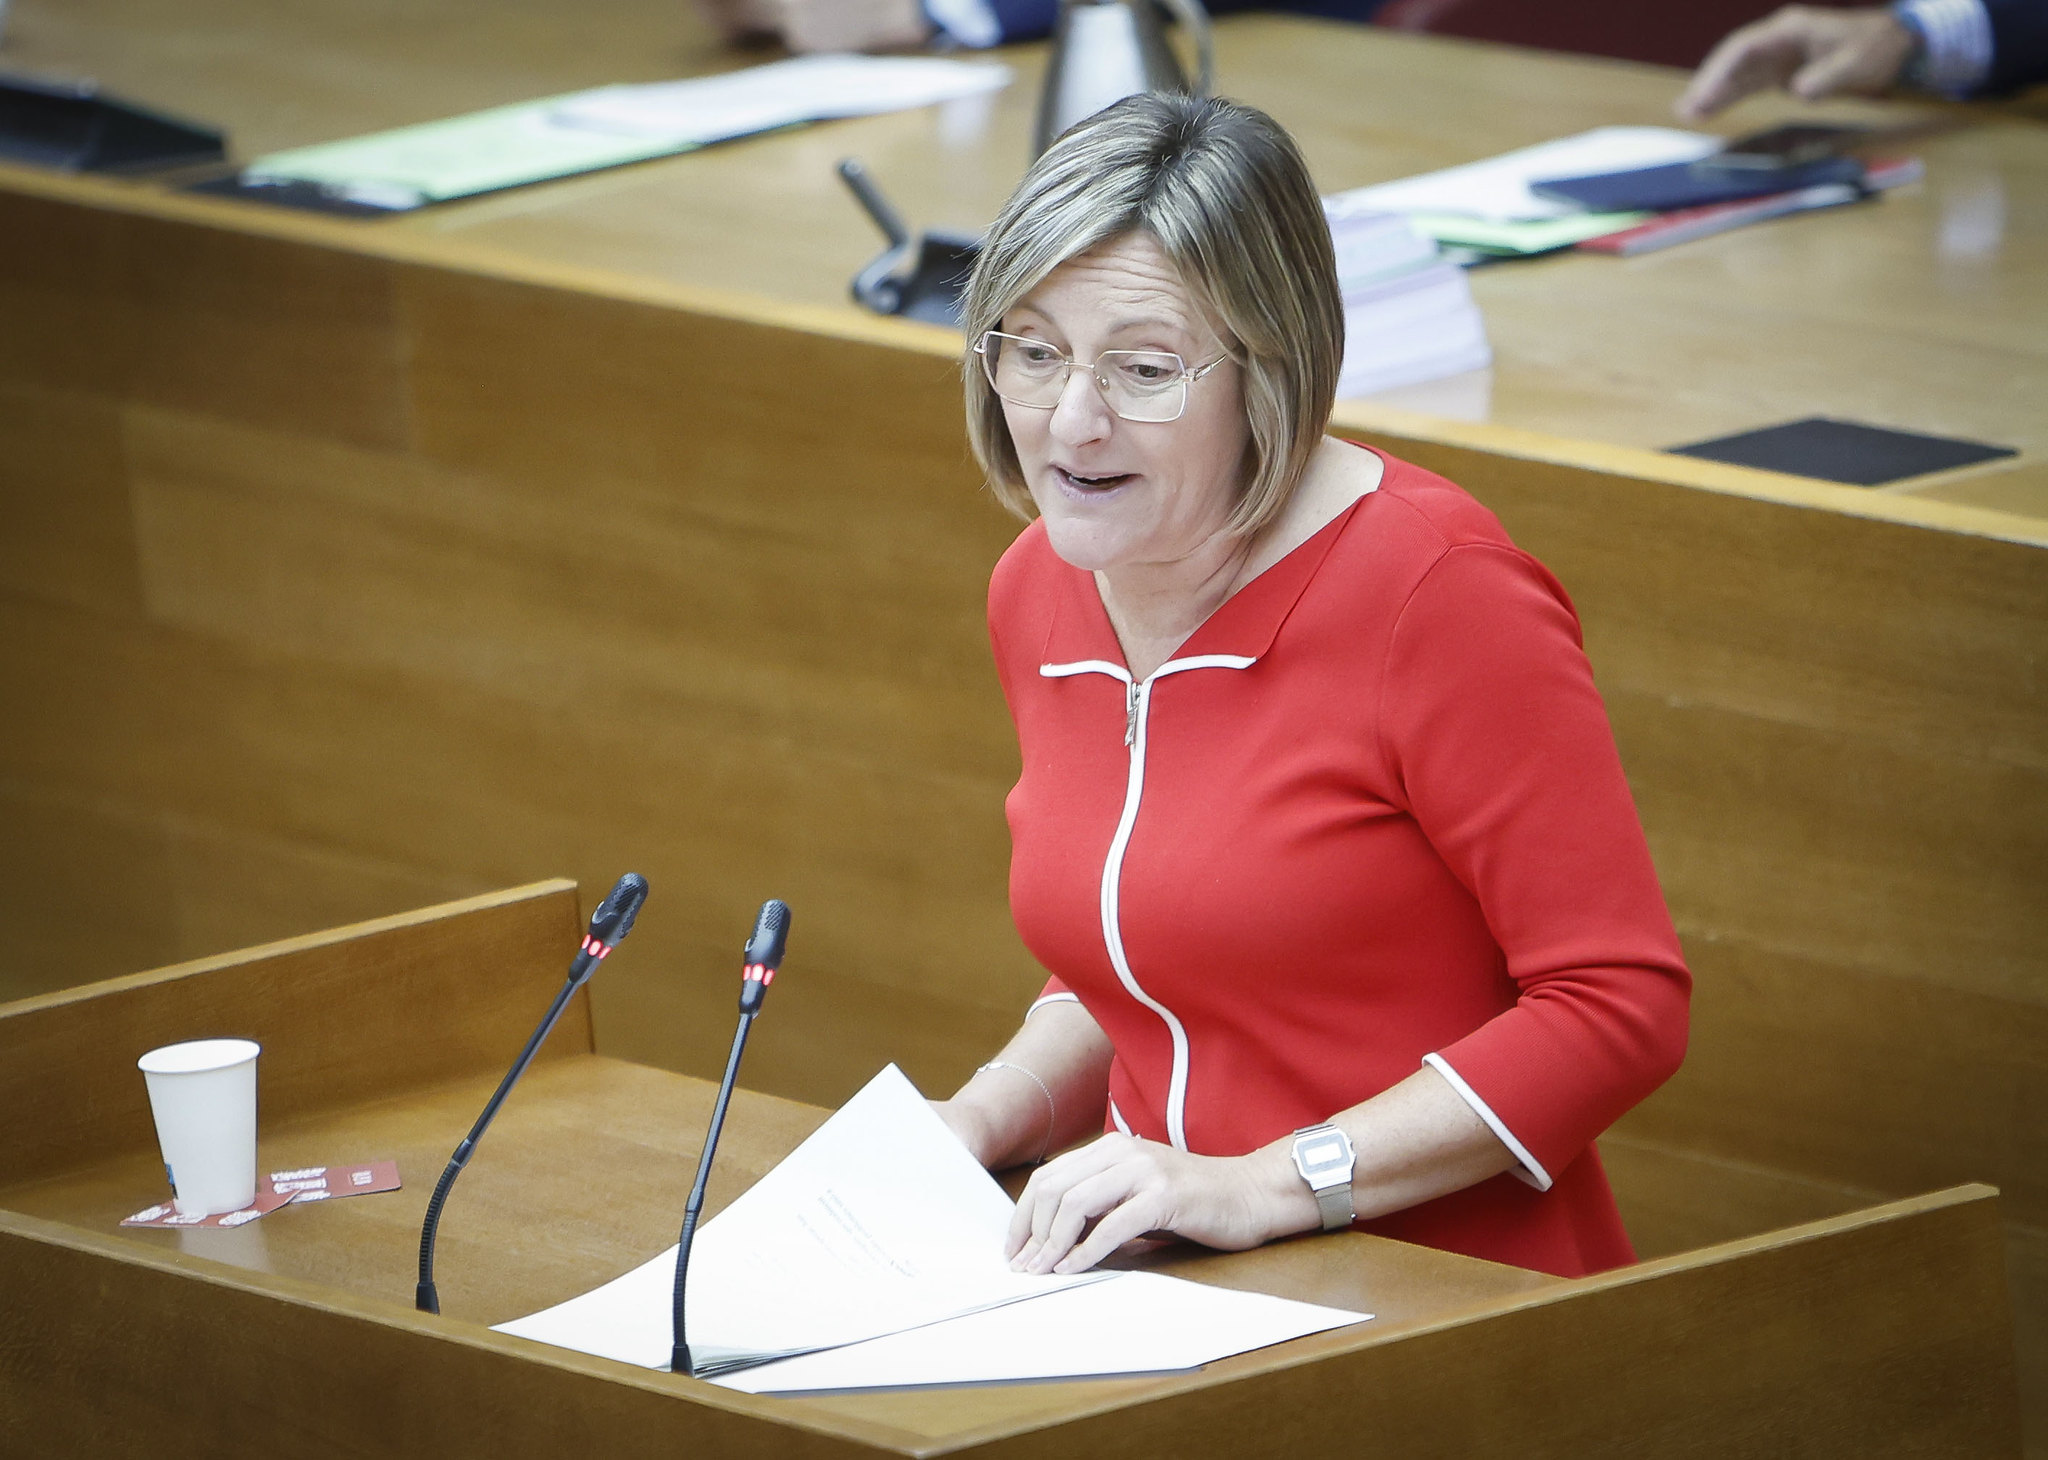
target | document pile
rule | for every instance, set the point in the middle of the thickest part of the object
(563, 135)
(872, 1257)
(1490, 206)
(1408, 312)
(1619, 190)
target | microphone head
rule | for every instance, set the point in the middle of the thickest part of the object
(614, 916)
(771, 935)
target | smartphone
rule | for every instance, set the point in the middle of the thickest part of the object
(1793, 145)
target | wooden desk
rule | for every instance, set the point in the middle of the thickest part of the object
(355, 566)
(383, 1040)
(1922, 313)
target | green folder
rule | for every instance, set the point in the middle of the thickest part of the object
(1538, 235)
(499, 148)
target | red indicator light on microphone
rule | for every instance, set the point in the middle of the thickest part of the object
(758, 973)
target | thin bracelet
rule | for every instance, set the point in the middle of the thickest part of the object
(1051, 1110)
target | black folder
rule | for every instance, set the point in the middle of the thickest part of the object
(1844, 451)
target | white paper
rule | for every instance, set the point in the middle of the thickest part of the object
(880, 1221)
(805, 89)
(880, 1241)
(1411, 328)
(1457, 353)
(1371, 245)
(1134, 1323)
(1497, 188)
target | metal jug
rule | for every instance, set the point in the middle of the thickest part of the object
(1106, 50)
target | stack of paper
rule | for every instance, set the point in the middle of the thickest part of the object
(1408, 312)
(559, 136)
(1489, 205)
(872, 1256)
(806, 88)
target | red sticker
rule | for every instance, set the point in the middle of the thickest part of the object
(318, 1183)
(166, 1215)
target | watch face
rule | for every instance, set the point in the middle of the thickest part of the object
(1324, 1154)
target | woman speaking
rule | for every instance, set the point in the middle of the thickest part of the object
(1320, 829)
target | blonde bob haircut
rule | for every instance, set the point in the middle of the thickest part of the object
(1224, 192)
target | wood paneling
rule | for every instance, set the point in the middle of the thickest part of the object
(367, 768)
(69, 535)
(325, 1006)
(1877, 1335)
(52, 849)
(1884, 1331)
(2026, 1255)
(171, 888)
(220, 1364)
(60, 276)
(1676, 1199)
(1939, 282)
(253, 328)
(1860, 1079)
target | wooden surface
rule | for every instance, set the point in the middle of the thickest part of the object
(352, 567)
(1884, 1332)
(344, 1017)
(1917, 313)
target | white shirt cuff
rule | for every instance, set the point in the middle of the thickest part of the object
(1530, 1170)
(1037, 1004)
(969, 23)
(1957, 34)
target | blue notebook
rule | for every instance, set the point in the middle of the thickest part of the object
(1692, 185)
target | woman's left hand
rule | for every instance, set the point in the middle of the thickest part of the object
(1080, 1208)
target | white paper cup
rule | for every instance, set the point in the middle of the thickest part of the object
(203, 1095)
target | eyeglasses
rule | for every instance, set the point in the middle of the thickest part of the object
(1139, 385)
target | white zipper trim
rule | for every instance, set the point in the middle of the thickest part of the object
(1140, 699)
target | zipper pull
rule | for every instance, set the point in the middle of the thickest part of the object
(1131, 713)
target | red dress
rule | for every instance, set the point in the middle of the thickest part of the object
(1370, 814)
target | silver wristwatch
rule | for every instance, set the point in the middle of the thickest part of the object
(1323, 1156)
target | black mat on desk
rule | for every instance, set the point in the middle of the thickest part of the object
(1843, 451)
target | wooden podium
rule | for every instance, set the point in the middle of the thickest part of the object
(1883, 1332)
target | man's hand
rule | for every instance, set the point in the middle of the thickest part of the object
(1810, 52)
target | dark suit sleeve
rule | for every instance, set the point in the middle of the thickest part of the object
(1021, 20)
(2019, 44)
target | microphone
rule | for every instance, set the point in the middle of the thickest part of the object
(763, 957)
(608, 927)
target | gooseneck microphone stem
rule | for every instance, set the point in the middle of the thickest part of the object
(608, 925)
(425, 1298)
(763, 957)
(679, 1356)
